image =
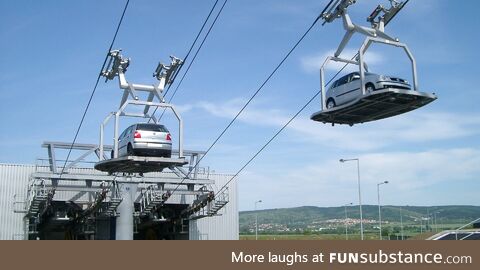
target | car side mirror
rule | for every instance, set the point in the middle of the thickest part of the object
(355, 77)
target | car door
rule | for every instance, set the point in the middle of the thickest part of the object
(352, 87)
(339, 91)
(123, 142)
(120, 143)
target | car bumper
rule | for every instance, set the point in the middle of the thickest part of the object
(391, 84)
(152, 149)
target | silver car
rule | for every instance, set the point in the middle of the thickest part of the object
(347, 88)
(145, 140)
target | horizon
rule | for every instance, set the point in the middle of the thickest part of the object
(356, 205)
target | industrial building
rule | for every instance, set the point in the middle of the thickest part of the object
(18, 206)
(151, 191)
(100, 193)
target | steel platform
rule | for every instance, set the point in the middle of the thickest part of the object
(373, 106)
(138, 164)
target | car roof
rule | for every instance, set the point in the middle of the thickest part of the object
(148, 124)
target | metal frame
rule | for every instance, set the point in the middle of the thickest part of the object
(207, 205)
(374, 34)
(191, 158)
(107, 195)
(382, 103)
(49, 184)
(375, 106)
(164, 74)
(362, 67)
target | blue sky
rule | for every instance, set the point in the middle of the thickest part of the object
(52, 52)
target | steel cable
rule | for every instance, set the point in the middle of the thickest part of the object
(95, 87)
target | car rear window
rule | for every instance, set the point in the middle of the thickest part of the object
(152, 127)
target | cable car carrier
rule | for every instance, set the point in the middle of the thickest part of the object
(370, 104)
(165, 74)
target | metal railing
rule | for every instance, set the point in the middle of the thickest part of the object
(464, 226)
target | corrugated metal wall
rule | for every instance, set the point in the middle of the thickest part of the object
(14, 181)
(224, 227)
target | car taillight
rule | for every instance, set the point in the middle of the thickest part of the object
(169, 138)
(137, 135)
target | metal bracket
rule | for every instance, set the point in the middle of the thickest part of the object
(165, 74)
(388, 13)
(169, 73)
(339, 9)
(116, 62)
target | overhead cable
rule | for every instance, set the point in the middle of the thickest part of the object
(95, 87)
(195, 56)
(277, 67)
(280, 130)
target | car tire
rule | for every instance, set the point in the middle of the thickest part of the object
(130, 151)
(331, 103)
(369, 87)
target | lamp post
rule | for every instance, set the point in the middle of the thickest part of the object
(359, 192)
(256, 219)
(428, 226)
(379, 207)
(346, 224)
(401, 221)
(435, 220)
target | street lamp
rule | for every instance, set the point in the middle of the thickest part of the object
(346, 224)
(428, 227)
(256, 219)
(359, 192)
(379, 208)
(435, 220)
(401, 221)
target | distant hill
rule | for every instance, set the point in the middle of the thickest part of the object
(316, 218)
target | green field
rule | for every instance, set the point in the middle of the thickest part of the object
(411, 232)
(307, 237)
(318, 223)
(367, 236)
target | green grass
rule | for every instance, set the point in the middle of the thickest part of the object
(354, 234)
(307, 237)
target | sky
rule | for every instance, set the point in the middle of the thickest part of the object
(52, 52)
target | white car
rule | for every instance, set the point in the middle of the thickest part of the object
(347, 88)
(145, 140)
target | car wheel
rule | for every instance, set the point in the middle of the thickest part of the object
(369, 88)
(130, 151)
(330, 103)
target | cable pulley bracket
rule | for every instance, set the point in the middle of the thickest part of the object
(168, 72)
(385, 15)
(116, 62)
(335, 9)
(338, 8)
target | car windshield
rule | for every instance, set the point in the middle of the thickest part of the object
(151, 127)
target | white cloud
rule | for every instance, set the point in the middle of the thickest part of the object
(411, 127)
(313, 63)
(415, 127)
(334, 183)
(423, 169)
(184, 108)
